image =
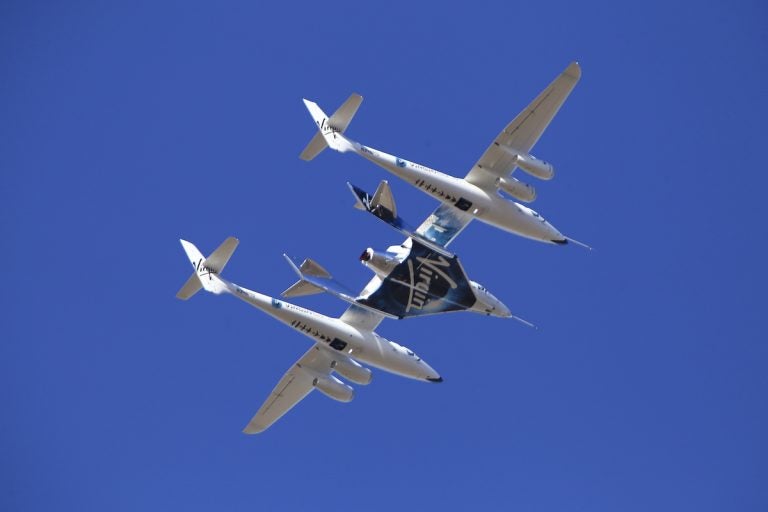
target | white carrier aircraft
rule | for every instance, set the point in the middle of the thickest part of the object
(476, 196)
(339, 343)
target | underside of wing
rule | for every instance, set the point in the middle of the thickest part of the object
(362, 318)
(443, 225)
(423, 283)
(524, 131)
(292, 388)
(419, 277)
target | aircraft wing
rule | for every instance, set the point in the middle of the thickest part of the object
(295, 385)
(436, 232)
(524, 131)
(423, 283)
(362, 318)
(444, 225)
(428, 279)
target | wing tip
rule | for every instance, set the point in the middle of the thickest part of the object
(253, 428)
(573, 70)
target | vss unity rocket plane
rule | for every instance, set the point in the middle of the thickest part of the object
(416, 278)
(477, 195)
(338, 343)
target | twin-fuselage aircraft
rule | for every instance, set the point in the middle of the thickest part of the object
(418, 277)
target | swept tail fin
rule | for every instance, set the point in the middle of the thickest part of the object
(330, 128)
(382, 205)
(302, 286)
(313, 278)
(206, 269)
(191, 287)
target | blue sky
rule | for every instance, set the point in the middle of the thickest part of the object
(124, 127)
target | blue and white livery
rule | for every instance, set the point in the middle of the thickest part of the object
(339, 344)
(476, 196)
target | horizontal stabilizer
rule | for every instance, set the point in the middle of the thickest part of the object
(219, 258)
(313, 276)
(302, 288)
(312, 268)
(343, 116)
(191, 287)
(315, 146)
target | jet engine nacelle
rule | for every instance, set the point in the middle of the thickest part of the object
(517, 189)
(535, 167)
(380, 263)
(352, 370)
(334, 388)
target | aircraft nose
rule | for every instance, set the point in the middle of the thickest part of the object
(503, 311)
(556, 236)
(431, 374)
(498, 308)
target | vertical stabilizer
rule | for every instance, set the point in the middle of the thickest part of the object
(330, 128)
(206, 269)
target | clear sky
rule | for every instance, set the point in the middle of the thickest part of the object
(125, 126)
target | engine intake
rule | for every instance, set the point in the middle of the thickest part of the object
(517, 189)
(332, 387)
(380, 263)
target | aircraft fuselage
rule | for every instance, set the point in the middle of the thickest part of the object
(364, 346)
(490, 208)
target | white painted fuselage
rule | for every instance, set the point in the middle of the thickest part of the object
(488, 207)
(364, 346)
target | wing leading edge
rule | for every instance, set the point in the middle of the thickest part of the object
(292, 388)
(524, 131)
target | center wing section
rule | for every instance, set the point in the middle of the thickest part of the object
(362, 318)
(419, 277)
(436, 232)
(444, 225)
(519, 136)
(292, 388)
